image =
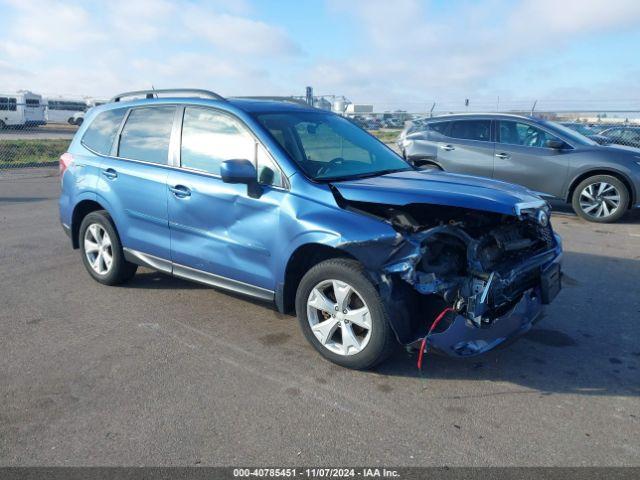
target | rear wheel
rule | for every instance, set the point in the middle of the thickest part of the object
(2, 125)
(342, 315)
(101, 249)
(601, 199)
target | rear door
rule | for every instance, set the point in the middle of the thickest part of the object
(133, 181)
(466, 146)
(521, 157)
(220, 233)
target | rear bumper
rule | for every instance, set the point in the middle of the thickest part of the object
(463, 339)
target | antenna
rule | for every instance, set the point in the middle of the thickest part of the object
(534, 107)
(432, 107)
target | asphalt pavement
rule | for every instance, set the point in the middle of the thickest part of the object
(166, 372)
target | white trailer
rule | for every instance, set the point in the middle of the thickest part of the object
(63, 110)
(21, 109)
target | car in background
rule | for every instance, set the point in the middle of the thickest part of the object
(588, 131)
(298, 206)
(392, 123)
(622, 135)
(372, 124)
(600, 182)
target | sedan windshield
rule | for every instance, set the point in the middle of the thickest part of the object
(329, 147)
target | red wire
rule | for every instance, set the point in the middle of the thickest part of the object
(423, 345)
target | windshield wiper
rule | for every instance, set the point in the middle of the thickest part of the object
(364, 175)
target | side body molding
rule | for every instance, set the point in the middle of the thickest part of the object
(195, 275)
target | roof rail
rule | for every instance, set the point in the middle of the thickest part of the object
(298, 101)
(154, 93)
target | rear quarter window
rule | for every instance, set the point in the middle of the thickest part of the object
(437, 131)
(100, 134)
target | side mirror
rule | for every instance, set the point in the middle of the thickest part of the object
(555, 144)
(241, 171)
(238, 171)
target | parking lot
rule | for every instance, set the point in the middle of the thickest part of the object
(165, 372)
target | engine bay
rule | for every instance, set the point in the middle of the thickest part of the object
(478, 263)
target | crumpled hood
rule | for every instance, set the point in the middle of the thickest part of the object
(437, 188)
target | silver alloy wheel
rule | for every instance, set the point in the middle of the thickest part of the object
(98, 248)
(339, 318)
(600, 200)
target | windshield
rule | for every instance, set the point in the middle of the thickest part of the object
(329, 147)
(571, 134)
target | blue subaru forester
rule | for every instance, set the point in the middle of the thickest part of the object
(299, 206)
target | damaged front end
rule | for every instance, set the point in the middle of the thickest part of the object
(494, 270)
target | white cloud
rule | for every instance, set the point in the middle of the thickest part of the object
(40, 26)
(416, 49)
(238, 34)
(97, 48)
(405, 50)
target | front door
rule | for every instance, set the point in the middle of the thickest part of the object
(522, 157)
(219, 232)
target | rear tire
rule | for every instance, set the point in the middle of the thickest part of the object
(351, 328)
(600, 199)
(101, 250)
(2, 125)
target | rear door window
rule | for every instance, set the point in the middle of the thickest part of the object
(102, 131)
(146, 134)
(439, 127)
(631, 135)
(479, 130)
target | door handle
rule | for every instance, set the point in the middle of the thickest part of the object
(448, 148)
(110, 173)
(503, 156)
(180, 191)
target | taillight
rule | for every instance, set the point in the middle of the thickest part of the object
(66, 159)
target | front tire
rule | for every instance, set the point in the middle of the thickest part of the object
(600, 199)
(101, 250)
(342, 315)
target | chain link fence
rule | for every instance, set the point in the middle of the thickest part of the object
(34, 132)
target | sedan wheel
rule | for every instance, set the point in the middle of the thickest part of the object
(98, 249)
(339, 318)
(600, 200)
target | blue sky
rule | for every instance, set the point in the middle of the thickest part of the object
(400, 53)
